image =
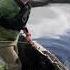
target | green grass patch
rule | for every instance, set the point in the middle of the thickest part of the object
(2, 67)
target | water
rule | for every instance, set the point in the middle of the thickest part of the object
(59, 47)
(50, 26)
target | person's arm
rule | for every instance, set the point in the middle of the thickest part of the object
(27, 12)
(24, 12)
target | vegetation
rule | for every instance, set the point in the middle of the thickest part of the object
(8, 8)
(2, 67)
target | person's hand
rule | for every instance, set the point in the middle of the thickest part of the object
(27, 35)
(29, 38)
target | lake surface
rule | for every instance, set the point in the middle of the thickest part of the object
(50, 26)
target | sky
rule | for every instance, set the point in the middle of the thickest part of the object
(52, 20)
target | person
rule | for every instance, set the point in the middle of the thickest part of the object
(14, 15)
(25, 41)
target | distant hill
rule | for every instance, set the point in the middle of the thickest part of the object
(60, 1)
(55, 1)
(39, 3)
(36, 3)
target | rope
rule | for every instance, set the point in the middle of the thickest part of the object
(4, 44)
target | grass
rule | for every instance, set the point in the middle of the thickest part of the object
(2, 67)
